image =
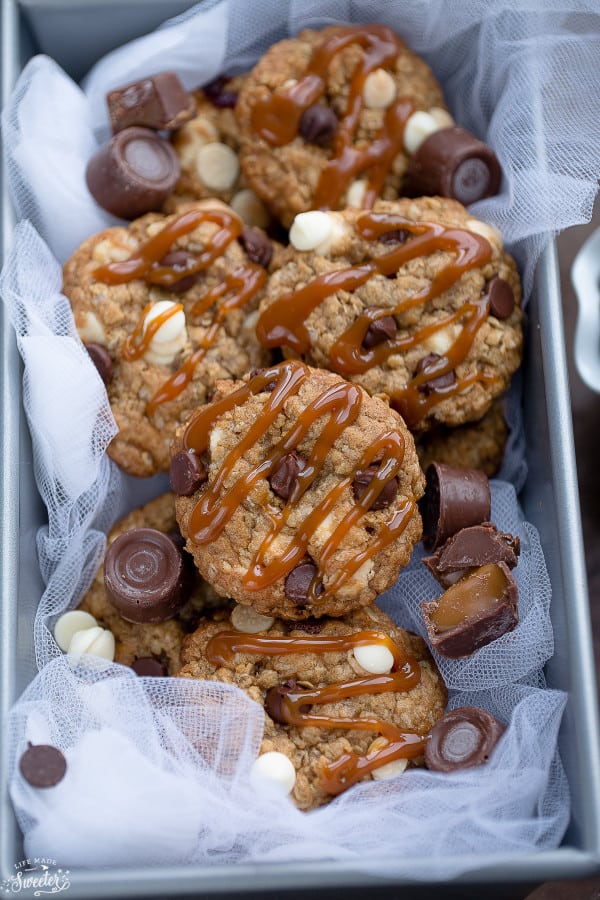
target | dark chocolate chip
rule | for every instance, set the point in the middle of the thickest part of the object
(362, 480)
(310, 626)
(273, 704)
(133, 173)
(149, 667)
(398, 236)
(257, 245)
(380, 330)
(436, 383)
(159, 102)
(179, 261)
(463, 738)
(452, 162)
(218, 96)
(270, 386)
(454, 499)
(501, 297)
(187, 473)
(283, 477)
(298, 583)
(101, 359)
(318, 125)
(470, 548)
(145, 576)
(42, 765)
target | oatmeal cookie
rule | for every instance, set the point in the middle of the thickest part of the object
(297, 492)
(478, 445)
(160, 640)
(416, 300)
(308, 674)
(166, 307)
(331, 116)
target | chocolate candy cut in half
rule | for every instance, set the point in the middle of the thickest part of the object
(470, 548)
(474, 612)
(42, 765)
(159, 102)
(463, 738)
(452, 162)
(145, 576)
(133, 173)
(454, 499)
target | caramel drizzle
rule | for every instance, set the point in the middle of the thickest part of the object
(282, 323)
(277, 118)
(340, 405)
(292, 705)
(234, 292)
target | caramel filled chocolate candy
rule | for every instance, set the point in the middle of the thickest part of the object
(463, 738)
(472, 613)
(454, 499)
(470, 548)
(159, 102)
(42, 766)
(453, 163)
(133, 173)
(144, 576)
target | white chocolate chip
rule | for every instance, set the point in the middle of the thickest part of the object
(486, 231)
(379, 89)
(217, 436)
(389, 770)
(290, 83)
(69, 623)
(96, 641)
(356, 194)
(374, 658)
(275, 768)
(106, 251)
(170, 338)
(250, 208)
(311, 229)
(418, 127)
(440, 341)
(191, 136)
(441, 116)
(217, 166)
(91, 330)
(248, 621)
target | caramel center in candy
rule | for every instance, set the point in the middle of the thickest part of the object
(480, 593)
(293, 706)
(339, 405)
(282, 323)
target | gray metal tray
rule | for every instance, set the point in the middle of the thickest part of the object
(550, 501)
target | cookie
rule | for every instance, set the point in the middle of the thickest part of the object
(318, 674)
(478, 445)
(160, 641)
(331, 118)
(415, 299)
(167, 307)
(208, 149)
(297, 492)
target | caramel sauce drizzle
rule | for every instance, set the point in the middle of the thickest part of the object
(340, 406)
(277, 118)
(293, 704)
(234, 292)
(282, 323)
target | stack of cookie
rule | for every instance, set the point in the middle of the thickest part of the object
(282, 379)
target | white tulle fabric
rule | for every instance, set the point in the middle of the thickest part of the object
(521, 76)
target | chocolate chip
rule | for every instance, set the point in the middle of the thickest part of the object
(363, 479)
(380, 330)
(318, 125)
(283, 477)
(42, 765)
(454, 499)
(463, 738)
(179, 261)
(270, 386)
(470, 548)
(187, 473)
(398, 236)
(218, 96)
(434, 384)
(310, 626)
(273, 704)
(298, 583)
(501, 297)
(101, 359)
(149, 667)
(257, 245)
(159, 102)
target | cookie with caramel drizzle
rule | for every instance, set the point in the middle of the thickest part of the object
(414, 299)
(336, 721)
(309, 506)
(159, 367)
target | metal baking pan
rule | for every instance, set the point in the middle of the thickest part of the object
(550, 501)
